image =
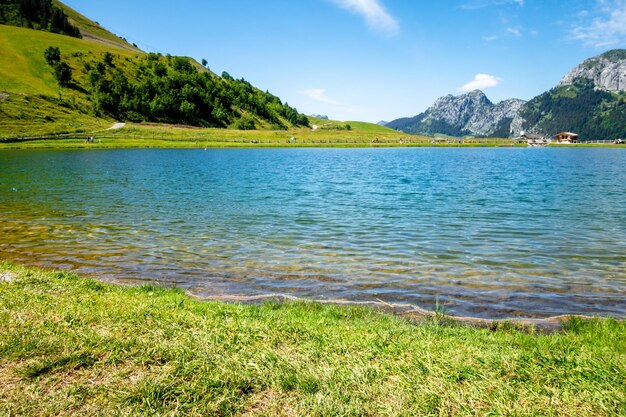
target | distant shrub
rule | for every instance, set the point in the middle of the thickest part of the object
(63, 73)
(245, 123)
(52, 55)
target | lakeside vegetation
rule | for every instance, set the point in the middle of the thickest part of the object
(76, 346)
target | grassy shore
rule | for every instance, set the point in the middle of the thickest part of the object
(170, 136)
(75, 346)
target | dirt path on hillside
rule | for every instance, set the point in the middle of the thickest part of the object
(117, 126)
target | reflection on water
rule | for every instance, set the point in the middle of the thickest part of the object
(487, 232)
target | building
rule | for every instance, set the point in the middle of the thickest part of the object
(566, 137)
(534, 140)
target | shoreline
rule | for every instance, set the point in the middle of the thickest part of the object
(77, 346)
(402, 310)
(182, 143)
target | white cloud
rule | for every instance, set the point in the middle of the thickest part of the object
(603, 27)
(374, 13)
(319, 94)
(490, 38)
(480, 82)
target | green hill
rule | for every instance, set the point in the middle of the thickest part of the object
(108, 79)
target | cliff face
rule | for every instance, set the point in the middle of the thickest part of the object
(606, 71)
(467, 114)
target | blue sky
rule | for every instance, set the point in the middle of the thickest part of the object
(375, 59)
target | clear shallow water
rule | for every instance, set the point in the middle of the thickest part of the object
(487, 232)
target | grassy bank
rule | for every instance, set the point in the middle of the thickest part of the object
(74, 346)
(171, 136)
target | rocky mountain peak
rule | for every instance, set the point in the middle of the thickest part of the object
(606, 71)
(470, 113)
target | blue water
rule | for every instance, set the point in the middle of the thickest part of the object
(484, 232)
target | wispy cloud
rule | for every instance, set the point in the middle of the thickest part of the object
(481, 82)
(374, 13)
(319, 94)
(517, 32)
(602, 27)
(480, 4)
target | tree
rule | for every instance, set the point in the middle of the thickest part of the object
(63, 73)
(204, 62)
(182, 64)
(52, 55)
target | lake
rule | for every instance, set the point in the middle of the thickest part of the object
(482, 232)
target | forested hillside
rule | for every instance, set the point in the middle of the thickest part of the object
(172, 90)
(579, 107)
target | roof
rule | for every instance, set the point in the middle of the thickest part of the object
(567, 134)
(532, 136)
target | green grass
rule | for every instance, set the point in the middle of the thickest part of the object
(24, 70)
(168, 136)
(24, 116)
(75, 346)
(31, 102)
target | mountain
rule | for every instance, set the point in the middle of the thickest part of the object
(470, 114)
(590, 100)
(606, 71)
(54, 83)
(382, 123)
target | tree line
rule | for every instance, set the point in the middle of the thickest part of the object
(37, 14)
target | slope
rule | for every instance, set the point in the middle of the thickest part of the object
(590, 100)
(579, 107)
(111, 79)
(91, 30)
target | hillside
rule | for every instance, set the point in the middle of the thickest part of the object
(101, 77)
(590, 100)
(90, 30)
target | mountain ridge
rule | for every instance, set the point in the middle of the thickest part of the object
(468, 114)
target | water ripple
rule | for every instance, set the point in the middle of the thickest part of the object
(486, 232)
